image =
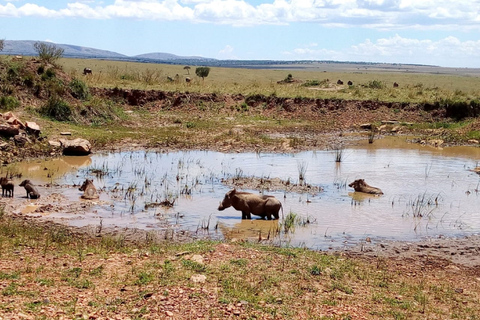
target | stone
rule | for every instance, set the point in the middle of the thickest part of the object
(32, 128)
(8, 131)
(76, 147)
(198, 278)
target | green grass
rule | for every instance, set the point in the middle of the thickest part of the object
(368, 84)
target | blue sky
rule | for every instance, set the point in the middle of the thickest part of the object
(434, 32)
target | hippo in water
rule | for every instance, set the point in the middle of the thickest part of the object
(249, 203)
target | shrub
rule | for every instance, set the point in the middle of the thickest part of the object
(56, 109)
(48, 53)
(8, 103)
(375, 84)
(79, 89)
(311, 83)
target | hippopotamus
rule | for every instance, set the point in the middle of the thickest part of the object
(361, 186)
(249, 203)
(32, 192)
(7, 187)
(89, 190)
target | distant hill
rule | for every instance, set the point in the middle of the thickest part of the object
(26, 48)
(169, 56)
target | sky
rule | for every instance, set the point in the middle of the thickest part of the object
(433, 32)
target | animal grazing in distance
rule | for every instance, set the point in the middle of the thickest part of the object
(32, 191)
(395, 85)
(7, 187)
(339, 82)
(350, 83)
(249, 203)
(188, 80)
(361, 186)
(87, 71)
(89, 190)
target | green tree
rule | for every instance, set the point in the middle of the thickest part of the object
(48, 53)
(2, 43)
(202, 72)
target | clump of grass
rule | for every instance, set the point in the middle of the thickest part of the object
(302, 170)
(57, 109)
(8, 103)
(79, 89)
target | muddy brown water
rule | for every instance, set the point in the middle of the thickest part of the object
(428, 192)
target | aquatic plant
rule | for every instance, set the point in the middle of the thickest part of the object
(302, 169)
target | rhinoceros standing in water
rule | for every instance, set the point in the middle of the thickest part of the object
(249, 203)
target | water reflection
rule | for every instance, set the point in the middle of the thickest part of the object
(428, 191)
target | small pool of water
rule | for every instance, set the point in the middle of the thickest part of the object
(428, 192)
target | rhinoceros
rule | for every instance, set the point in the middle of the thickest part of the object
(249, 203)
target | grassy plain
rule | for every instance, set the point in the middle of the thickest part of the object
(416, 84)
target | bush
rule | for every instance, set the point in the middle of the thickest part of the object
(56, 109)
(8, 103)
(376, 84)
(48, 53)
(79, 89)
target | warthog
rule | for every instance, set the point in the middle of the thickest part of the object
(249, 203)
(89, 190)
(361, 186)
(32, 192)
(7, 187)
(87, 71)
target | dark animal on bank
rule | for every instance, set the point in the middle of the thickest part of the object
(32, 191)
(249, 203)
(339, 82)
(350, 83)
(361, 186)
(87, 71)
(7, 187)
(89, 190)
(395, 85)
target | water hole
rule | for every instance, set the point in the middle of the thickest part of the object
(428, 192)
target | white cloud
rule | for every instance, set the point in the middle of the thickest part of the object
(397, 49)
(440, 14)
(227, 53)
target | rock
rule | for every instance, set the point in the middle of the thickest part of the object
(197, 258)
(32, 128)
(53, 143)
(473, 141)
(198, 278)
(8, 131)
(20, 140)
(15, 122)
(76, 147)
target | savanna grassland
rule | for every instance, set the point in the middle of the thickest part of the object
(49, 271)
